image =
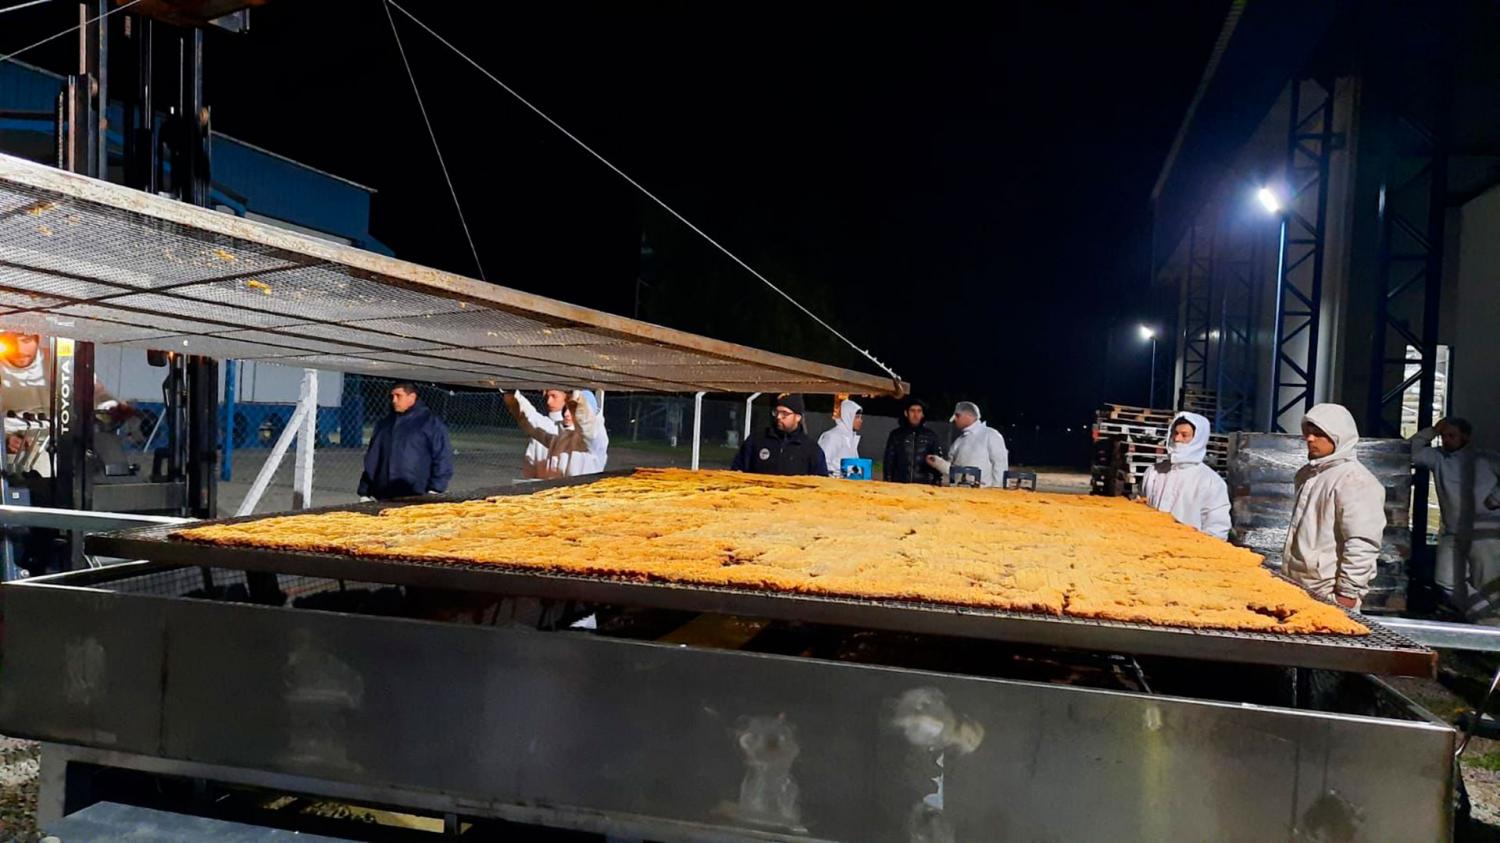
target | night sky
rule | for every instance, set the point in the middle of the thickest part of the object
(964, 192)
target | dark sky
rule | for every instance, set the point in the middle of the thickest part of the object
(963, 191)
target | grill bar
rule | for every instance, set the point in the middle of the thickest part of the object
(1382, 651)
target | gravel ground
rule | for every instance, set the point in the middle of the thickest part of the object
(1480, 762)
(1069, 481)
(18, 788)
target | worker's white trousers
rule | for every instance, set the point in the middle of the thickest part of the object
(1482, 592)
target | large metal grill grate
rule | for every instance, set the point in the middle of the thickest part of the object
(95, 261)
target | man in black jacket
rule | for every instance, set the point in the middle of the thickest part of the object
(782, 448)
(409, 451)
(909, 446)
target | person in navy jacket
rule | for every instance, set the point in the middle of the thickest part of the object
(409, 451)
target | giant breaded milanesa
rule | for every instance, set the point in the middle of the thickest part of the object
(1073, 555)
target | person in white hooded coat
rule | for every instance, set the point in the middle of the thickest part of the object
(1184, 486)
(1338, 518)
(576, 446)
(841, 441)
(534, 465)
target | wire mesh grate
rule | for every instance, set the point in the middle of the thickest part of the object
(107, 244)
(93, 261)
(51, 286)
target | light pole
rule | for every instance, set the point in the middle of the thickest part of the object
(1149, 334)
(1272, 203)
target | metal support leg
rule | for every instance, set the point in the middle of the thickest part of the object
(748, 402)
(273, 462)
(307, 440)
(697, 426)
(1311, 141)
(52, 785)
(228, 411)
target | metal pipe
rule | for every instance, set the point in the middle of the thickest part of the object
(11, 571)
(1447, 636)
(1151, 398)
(697, 426)
(77, 519)
(267, 471)
(231, 386)
(307, 437)
(748, 402)
(1272, 423)
(100, 129)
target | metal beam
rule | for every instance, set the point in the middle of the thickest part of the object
(1198, 296)
(1234, 364)
(1414, 85)
(1411, 90)
(1299, 295)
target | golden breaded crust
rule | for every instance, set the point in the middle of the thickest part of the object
(1073, 555)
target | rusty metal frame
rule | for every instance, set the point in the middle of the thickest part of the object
(128, 212)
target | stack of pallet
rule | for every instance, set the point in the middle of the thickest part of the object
(1262, 487)
(1204, 402)
(1128, 440)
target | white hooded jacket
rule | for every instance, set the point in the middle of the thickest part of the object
(1338, 519)
(840, 442)
(980, 446)
(535, 465)
(562, 455)
(1184, 486)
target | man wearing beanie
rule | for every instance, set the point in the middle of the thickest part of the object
(782, 448)
(909, 446)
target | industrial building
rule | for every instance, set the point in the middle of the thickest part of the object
(1324, 225)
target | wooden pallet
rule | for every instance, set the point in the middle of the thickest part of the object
(1139, 415)
(1204, 402)
(1151, 434)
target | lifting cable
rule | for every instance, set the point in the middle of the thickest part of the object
(637, 185)
(452, 191)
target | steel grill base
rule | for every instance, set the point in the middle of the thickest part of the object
(1380, 652)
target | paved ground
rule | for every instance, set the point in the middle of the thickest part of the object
(494, 461)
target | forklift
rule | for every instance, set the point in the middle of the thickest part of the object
(87, 466)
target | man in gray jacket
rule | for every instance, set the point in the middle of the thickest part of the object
(977, 445)
(1468, 493)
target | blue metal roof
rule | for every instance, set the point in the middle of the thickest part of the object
(246, 178)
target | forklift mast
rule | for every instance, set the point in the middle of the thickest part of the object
(190, 386)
